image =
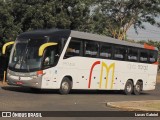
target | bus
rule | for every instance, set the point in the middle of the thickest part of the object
(65, 59)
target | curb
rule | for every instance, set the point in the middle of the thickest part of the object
(128, 108)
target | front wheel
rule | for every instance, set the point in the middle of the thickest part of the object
(65, 86)
(128, 87)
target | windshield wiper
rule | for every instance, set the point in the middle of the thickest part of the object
(24, 59)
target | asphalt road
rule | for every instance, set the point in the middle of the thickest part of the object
(23, 99)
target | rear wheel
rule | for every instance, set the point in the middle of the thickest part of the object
(65, 86)
(138, 88)
(128, 87)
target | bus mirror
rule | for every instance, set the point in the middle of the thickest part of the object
(43, 46)
(5, 46)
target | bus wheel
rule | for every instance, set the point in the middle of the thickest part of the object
(137, 88)
(128, 87)
(65, 86)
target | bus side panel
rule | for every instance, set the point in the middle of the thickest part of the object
(78, 74)
(152, 75)
(92, 73)
(88, 73)
(151, 83)
(50, 78)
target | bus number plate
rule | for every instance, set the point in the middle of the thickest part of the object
(19, 83)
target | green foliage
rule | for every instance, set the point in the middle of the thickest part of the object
(25, 15)
(115, 17)
(7, 27)
(108, 17)
(39, 14)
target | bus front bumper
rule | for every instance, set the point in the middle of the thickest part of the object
(33, 82)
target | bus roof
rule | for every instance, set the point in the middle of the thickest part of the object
(45, 32)
(81, 35)
(102, 38)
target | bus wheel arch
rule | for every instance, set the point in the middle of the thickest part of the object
(138, 87)
(128, 89)
(66, 85)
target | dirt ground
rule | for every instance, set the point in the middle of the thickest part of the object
(148, 105)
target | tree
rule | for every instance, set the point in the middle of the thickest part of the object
(115, 17)
(8, 29)
(64, 14)
(78, 12)
(25, 15)
(33, 14)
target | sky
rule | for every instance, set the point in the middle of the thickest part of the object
(150, 33)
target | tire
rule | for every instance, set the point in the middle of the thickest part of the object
(128, 90)
(65, 86)
(137, 88)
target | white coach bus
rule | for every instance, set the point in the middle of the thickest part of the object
(66, 59)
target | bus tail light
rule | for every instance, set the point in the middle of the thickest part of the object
(40, 72)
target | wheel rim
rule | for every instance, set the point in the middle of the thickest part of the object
(129, 88)
(65, 86)
(138, 88)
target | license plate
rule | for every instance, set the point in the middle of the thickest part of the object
(19, 83)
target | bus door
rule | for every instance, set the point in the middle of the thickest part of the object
(50, 59)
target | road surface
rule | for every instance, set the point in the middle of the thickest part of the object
(23, 99)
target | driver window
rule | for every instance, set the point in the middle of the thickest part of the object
(50, 58)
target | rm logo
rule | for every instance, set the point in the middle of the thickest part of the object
(105, 67)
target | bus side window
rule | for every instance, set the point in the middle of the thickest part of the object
(132, 54)
(91, 49)
(143, 56)
(153, 56)
(119, 53)
(74, 49)
(106, 51)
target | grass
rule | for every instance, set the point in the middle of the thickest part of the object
(148, 105)
(154, 105)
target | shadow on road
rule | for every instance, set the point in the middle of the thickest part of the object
(28, 90)
(73, 92)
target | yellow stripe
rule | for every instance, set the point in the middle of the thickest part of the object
(108, 68)
(42, 47)
(5, 46)
(113, 76)
(107, 72)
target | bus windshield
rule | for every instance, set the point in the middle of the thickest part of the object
(24, 55)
